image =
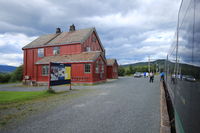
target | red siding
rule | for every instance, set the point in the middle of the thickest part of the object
(48, 51)
(30, 63)
(41, 78)
(64, 49)
(78, 74)
(100, 75)
(112, 71)
(70, 49)
(109, 72)
(95, 46)
(31, 56)
(25, 63)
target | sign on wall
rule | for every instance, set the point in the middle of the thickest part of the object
(60, 74)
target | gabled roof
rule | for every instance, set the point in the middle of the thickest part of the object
(78, 36)
(73, 58)
(111, 62)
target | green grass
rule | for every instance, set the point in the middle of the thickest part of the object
(13, 96)
(10, 82)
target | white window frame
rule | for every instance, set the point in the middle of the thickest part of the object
(87, 68)
(56, 50)
(45, 70)
(40, 52)
(88, 49)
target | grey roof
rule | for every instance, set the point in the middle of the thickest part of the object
(73, 58)
(77, 36)
(111, 62)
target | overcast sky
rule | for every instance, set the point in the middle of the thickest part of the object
(130, 30)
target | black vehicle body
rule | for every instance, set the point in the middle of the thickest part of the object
(182, 69)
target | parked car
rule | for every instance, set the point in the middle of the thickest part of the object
(137, 75)
(189, 78)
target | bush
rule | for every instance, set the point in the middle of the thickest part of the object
(121, 71)
(5, 77)
(17, 75)
(128, 72)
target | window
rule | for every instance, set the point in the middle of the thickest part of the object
(102, 67)
(87, 68)
(97, 67)
(41, 52)
(45, 70)
(88, 49)
(56, 50)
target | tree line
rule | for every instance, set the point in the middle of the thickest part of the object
(128, 70)
(15, 76)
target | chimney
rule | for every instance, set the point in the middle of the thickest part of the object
(72, 28)
(58, 30)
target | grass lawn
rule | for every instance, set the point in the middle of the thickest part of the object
(10, 83)
(13, 96)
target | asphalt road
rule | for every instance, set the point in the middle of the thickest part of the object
(127, 105)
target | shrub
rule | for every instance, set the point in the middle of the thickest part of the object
(121, 71)
(17, 75)
(5, 77)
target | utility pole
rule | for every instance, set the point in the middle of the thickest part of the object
(149, 64)
(156, 67)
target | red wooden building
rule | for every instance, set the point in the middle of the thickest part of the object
(81, 48)
(112, 69)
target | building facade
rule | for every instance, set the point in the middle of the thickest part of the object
(80, 48)
(112, 69)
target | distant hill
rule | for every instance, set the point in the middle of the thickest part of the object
(7, 69)
(160, 62)
(185, 69)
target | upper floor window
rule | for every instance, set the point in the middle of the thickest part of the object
(41, 52)
(87, 49)
(56, 50)
(87, 68)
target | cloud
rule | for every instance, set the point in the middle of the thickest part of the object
(159, 36)
(11, 59)
(129, 30)
(11, 47)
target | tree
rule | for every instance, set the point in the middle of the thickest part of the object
(128, 72)
(17, 75)
(130, 69)
(5, 77)
(121, 71)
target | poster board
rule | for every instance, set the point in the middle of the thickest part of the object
(60, 74)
